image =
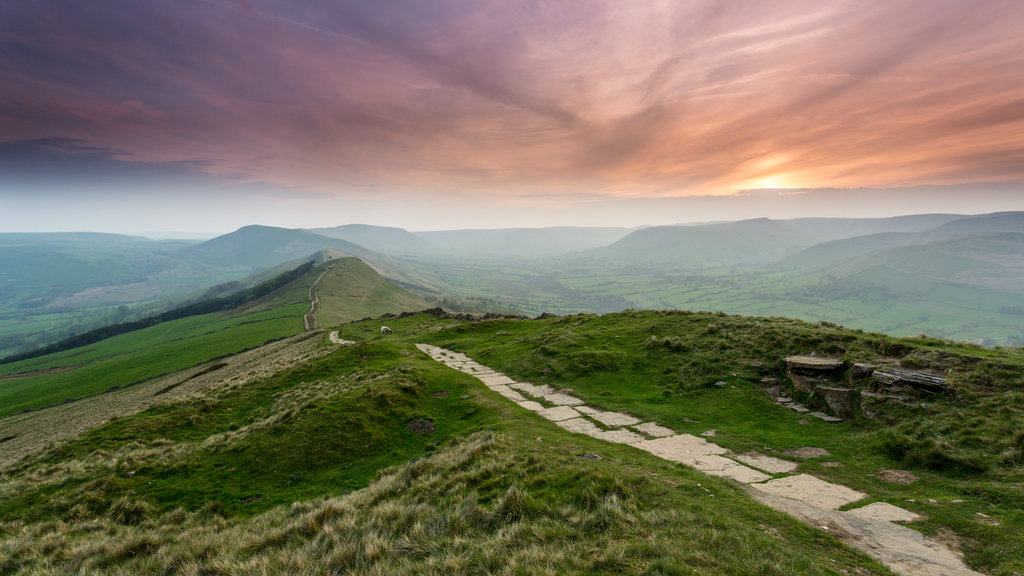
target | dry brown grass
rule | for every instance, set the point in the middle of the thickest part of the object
(435, 515)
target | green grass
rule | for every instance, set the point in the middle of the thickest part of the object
(140, 355)
(215, 479)
(967, 445)
(350, 290)
(297, 472)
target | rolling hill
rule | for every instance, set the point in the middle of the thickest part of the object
(347, 289)
(302, 455)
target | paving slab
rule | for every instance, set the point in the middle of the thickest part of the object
(614, 419)
(531, 405)
(559, 413)
(810, 489)
(682, 448)
(767, 463)
(562, 399)
(884, 511)
(798, 408)
(721, 466)
(620, 436)
(512, 395)
(652, 429)
(535, 391)
(580, 426)
(903, 550)
(495, 379)
(587, 410)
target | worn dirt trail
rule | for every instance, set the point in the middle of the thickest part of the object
(770, 480)
(309, 319)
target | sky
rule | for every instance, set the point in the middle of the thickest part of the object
(201, 116)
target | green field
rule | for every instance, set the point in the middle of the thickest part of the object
(136, 356)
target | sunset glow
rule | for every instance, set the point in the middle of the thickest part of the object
(392, 106)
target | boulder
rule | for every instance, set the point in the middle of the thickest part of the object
(812, 365)
(863, 370)
(841, 401)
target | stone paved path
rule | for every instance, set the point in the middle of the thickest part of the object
(807, 498)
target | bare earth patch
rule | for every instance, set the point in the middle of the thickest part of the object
(807, 452)
(421, 426)
(903, 477)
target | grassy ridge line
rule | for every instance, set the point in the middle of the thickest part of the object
(515, 500)
(129, 358)
(197, 309)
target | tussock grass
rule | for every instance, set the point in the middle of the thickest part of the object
(466, 509)
(965, 446)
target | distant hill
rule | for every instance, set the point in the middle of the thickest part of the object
(387, 240)
(749, 242)
(983, 224)
(531, 242)
(259, 247)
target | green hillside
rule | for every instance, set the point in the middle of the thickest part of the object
(349, 289)
(374, 458)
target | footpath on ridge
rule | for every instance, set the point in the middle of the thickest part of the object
(809, 499)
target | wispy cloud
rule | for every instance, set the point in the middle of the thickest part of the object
(541, 97)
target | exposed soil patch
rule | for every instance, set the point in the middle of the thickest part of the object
(807, 452)
(421, 426)
(56, 370)
(897, 476)
(441, 394)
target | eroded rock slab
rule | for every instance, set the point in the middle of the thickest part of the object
(813, 490)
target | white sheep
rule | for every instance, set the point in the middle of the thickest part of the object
(385, 330)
